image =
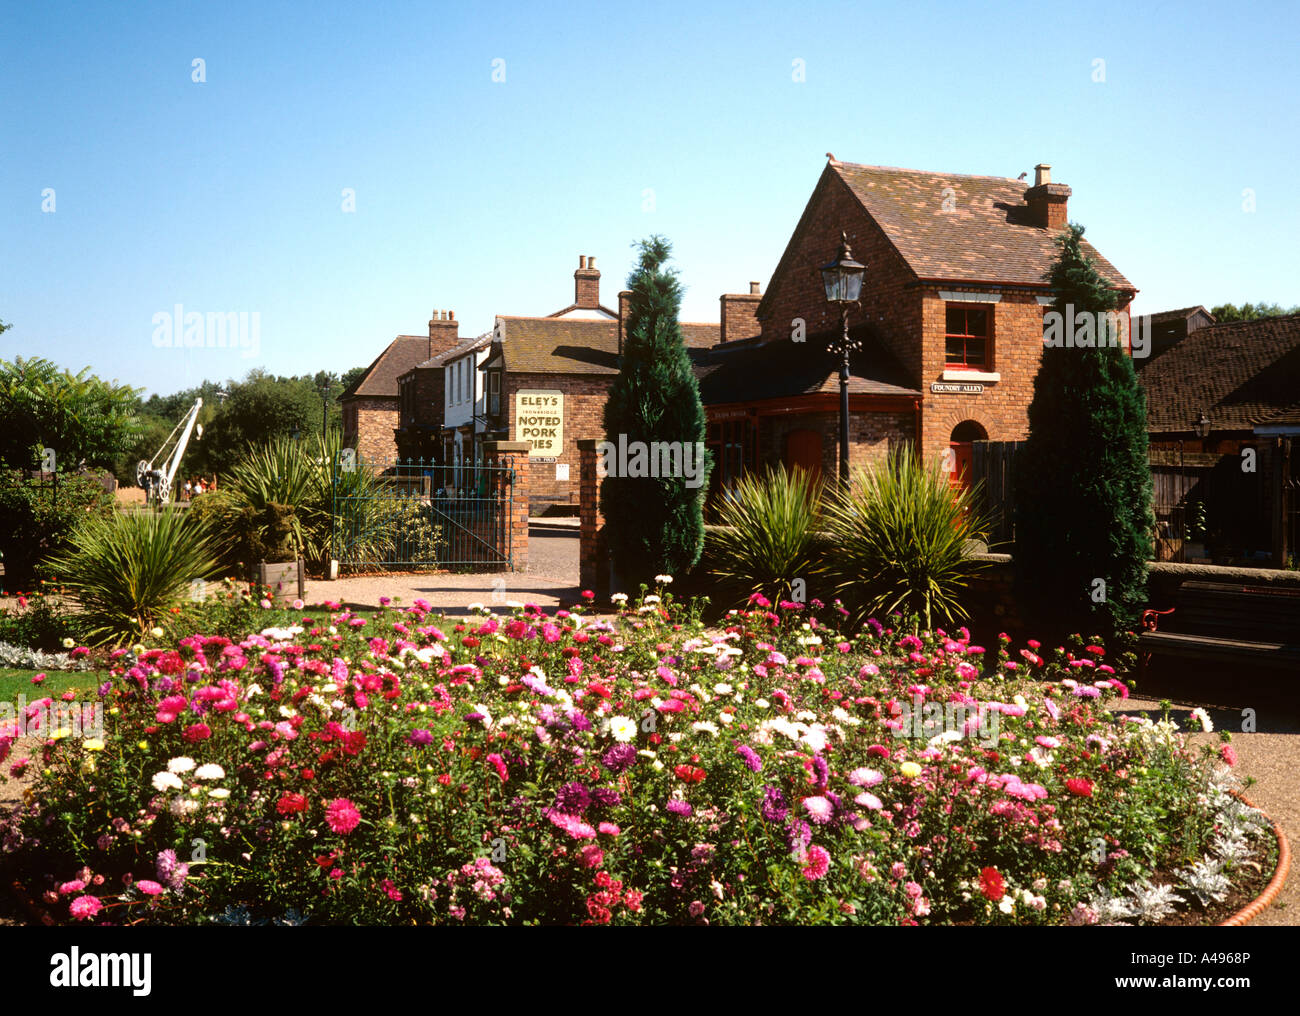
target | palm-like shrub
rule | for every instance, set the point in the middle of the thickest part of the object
(129, 569)
(900, 535)
(287, 499)
(769, 539)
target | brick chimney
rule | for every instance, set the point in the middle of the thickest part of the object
(1047, 200)
(740, 314)
(586, 284)
(444, 331)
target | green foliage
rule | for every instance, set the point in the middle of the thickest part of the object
(37, 517)
(286, 499)
(1083, 491)
(770, 539)
(129, 569)
(655, 524)
(900, 535)
(38, 621)
(1227, 312)
(85, 420)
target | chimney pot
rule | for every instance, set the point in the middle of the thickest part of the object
(753, 288)
(582, 261)
(591, 261)
(586, 284)
(1042, 174)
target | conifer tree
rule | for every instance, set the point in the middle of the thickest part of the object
(1084, 520)
(655, 523)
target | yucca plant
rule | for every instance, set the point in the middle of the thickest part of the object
(769, 540)
(900, 534)
(126, 571)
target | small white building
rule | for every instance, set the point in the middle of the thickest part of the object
(463, 412)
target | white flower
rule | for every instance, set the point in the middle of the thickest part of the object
(210, 771)
(180, 765)
(618, 598)
(183, 806)
(651, 599)
(722, 688)
(220, 793)
(68, 643)
(1204, 718)
(477, 606)
(1007, 905)
(664, 580)
(762, 703)
(726, 718)
(705, 727)
(166, 781)
(622, 729)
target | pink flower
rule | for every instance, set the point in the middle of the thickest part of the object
(149, 888)
(608, 828)
(819, 809)
(75, 886)
(819, 863)
(864, 777)
(85, 907)
(342, 815)
(1228, 754)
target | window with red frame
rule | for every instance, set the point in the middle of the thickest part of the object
(967, 335)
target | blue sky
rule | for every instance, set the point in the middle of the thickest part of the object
(478, 195)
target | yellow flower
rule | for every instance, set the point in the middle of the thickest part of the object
(94, 744)
(910, 770)
(143, 745)
(60, 734)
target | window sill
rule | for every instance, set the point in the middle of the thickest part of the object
(962, 374)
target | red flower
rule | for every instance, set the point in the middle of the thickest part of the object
(1228, 754)
(587, 594)
(197, 732)
(689, 774)
(291, 804)
(992, 885)
(1096, 650)
(1079, 787)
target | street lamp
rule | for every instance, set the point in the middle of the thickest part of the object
(1201, 425)
(325, 390)
(843, 281)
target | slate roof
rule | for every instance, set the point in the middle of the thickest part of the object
(987, 236)
(1241, 373)
(748, 371)
(575, 345)
(458, 350)
(380, 378)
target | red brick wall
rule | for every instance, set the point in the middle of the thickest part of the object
(893, 309)
(739, 316)
(512, 455)
(871, 436)
(375, 421)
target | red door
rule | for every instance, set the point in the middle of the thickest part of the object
(960, 460)
(803, 448)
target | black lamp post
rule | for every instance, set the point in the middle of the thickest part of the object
(325, 390)
(843, 281)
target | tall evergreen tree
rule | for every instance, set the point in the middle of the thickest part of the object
(655, 523)
(1083, 484)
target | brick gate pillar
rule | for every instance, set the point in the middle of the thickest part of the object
(511, 455)
(593, 545)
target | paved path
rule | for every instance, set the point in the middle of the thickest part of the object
(552, 577)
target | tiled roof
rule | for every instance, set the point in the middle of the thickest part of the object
(1241, 374)
(575, 345)
(987, 237)
(380, 379)
(783, 369)
(458, 350)
(1182, 314)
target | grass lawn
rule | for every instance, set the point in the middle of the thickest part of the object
(19, 682)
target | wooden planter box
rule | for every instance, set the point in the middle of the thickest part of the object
(286, 580)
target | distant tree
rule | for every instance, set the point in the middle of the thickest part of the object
(351, 376)
(83, 419)
(260, 408)
(655, 523)
(1227, 312)
(1083, 492)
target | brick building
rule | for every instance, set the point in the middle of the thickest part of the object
(547, 379)
(1243, 379)
(372, 405)
(950, 318)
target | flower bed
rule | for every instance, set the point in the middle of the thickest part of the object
(401, 768)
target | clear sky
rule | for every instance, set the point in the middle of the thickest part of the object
(612, 121)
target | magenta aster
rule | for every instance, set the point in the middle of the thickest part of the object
(342, 815)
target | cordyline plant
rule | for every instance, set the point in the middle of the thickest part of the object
(902, 541)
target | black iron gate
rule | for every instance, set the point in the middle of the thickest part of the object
(409, 514)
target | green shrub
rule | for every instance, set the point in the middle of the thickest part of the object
(128, 570)
(900, 537)
(770, 539)
(38, 622)
(38, 517)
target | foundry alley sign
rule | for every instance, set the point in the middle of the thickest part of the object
(951, 388)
